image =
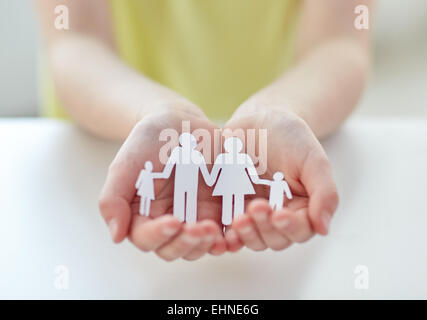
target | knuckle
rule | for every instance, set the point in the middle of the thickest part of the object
(117, 168)
(331, 199)
(113, 206)
(105, 203)
(138, 243)
(335, 197)
(248, 237)
(321, 160)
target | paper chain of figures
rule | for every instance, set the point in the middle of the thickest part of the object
(232, 171)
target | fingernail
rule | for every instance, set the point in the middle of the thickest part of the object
(114, 227)
(246, 230)
(232, 235)
(168, 231)
(209, 238)
(283, 222)
(190, 239)
(326, 219)
(260, 216)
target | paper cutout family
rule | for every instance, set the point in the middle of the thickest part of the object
(232, 171)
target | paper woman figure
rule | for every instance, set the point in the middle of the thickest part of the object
(233, 181)
(145, 186)
(277, 188)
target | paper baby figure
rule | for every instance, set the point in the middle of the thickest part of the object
(234, 182)
(277, 188)
(187, 162)
(145, 186)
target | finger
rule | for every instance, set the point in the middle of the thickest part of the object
(116, 212)
(248, 234)
(190, 237)
(294, 225)
(149, 234)
(232, 240)
(220, 244)
(211, 231)
(318, 180)
(119, 188)
(260, 212)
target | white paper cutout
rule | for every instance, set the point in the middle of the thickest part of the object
(187, 162)
(277, 188)
(145, 186)
(233, 172)
(233, 180)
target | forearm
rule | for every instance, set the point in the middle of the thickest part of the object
(100, 92)
(322, 88)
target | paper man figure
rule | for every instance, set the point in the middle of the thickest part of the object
(277, 187)
(233, 181)
(145, 186)
(187, 161)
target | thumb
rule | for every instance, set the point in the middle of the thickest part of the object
(117, 214)
(114, 201)
(318, 179)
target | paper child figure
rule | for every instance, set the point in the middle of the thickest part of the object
(145, 186)
(277, 188)
(233, 181)
(187, 161)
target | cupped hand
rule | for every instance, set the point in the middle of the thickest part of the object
(160, 232)
(293, 149)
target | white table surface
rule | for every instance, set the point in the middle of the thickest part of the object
(51, 174)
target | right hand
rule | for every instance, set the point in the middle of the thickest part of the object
(161, 232)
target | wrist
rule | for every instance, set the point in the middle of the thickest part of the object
(265, 101)
(179, 107)
(264, 110)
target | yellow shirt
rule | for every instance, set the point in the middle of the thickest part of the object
(216, 53)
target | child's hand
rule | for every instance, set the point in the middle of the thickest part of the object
(294, 150)
(160, 232)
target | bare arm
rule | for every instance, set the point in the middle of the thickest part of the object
(96, 88)
(331, 70)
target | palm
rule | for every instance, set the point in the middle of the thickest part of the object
(143, 144)
(293, 150)
(289, 144)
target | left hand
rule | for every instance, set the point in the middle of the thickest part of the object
(294, 150)
(160, 232)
